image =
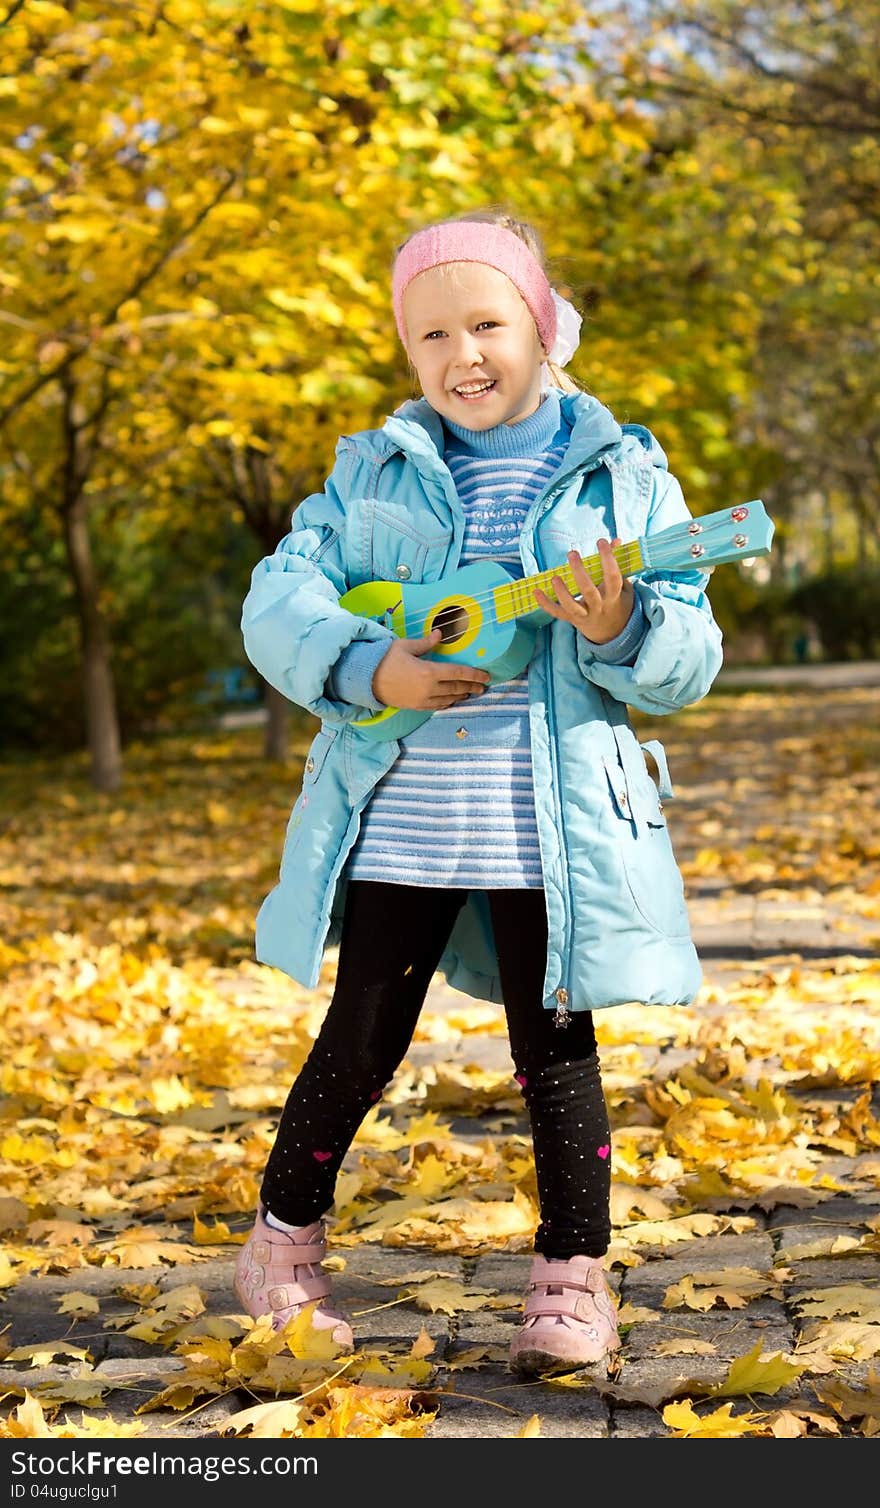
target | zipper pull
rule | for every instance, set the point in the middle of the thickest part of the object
(562, 1014)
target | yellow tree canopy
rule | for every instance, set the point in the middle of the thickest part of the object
(202, 209)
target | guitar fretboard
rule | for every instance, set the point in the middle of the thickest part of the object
(517, 598)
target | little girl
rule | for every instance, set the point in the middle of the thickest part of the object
(515, 841)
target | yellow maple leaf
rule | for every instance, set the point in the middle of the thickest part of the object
(305, 1342)
(637, 1314)
(79, 1305)
(277, 1420)
(531, 1430)
(183, 1393)
(475, 1356)
(849, 1402)
(733, 1287)
(849, 1298)
(426, 1127)
(106, 1427)
(852, 1341)
(720, 1425)
(684, 1348)
(756, 1373)
(408, 1372)
(217, 1234)
(668, 1232)
(26, 1149)
(427, 1275)
(26, 1422)
(166, 1313)
(452, 1298)
(791, 1423)
(43, 1355)
(829, 1246)
(60, 1232)
(367, 1413)
(141, 1247)
(431, 1176)
(8, 1274)
(83, 1387)
(137, 1293)
(170, 1094)
(214, 1327)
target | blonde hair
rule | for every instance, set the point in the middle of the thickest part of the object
(496, 214)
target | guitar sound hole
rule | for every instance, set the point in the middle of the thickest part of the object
(452, 622)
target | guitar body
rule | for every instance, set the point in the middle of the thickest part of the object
(489, 618)
(461, 606)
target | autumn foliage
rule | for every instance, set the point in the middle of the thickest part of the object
(199, 214)
(146, 1056)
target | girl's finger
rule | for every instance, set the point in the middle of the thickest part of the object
(590, 595)
(547, 603)
(611, 576)
(563, 595)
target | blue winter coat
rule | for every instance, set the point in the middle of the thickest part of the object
(617, 921)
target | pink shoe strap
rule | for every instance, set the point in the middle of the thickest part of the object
(303, 1291)
(570, 1305)
(266, 1251)
(571, 1274)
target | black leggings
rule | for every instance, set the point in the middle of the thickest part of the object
(392, 939)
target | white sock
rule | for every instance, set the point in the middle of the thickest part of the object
(279, 1224)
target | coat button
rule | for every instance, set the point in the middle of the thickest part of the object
(403, 573)
(310, 765)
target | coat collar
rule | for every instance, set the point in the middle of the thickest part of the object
(415, 429)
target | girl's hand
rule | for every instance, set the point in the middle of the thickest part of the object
(599, 612)
(403, 679)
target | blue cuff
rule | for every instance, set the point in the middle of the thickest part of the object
(351, 678)
(623, 649)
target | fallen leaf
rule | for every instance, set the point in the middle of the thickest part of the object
(684, 1348)
(79, 1305)
(721, 1424)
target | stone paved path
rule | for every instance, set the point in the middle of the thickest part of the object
(489, 1402)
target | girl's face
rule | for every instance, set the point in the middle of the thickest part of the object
(474, 345)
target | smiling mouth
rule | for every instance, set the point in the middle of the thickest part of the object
(475, 389)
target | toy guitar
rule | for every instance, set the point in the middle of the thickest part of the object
(489, 618)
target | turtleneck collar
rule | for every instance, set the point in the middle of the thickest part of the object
(527, 438)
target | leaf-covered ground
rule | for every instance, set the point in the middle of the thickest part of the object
(145, 1057)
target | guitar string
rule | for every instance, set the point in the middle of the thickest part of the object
(626, 556)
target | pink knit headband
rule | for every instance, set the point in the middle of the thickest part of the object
(477, 241)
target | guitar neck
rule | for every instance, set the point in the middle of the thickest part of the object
(516, 599)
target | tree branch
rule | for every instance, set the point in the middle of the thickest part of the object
(137, 287)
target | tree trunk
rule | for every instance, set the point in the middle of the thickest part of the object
(102, 723)
(275, 741)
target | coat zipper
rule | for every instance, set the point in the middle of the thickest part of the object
(562, 1014)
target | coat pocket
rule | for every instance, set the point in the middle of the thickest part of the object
(403, 547)
(642, 839)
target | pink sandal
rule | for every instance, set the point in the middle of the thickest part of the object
(569, 1316)
(279, 1274)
